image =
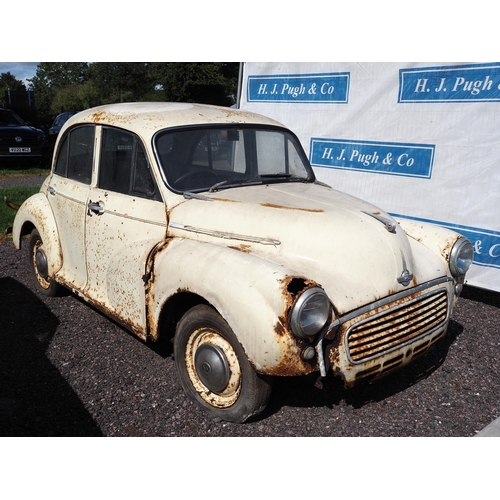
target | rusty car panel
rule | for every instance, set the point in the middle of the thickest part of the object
(180, 262)
(36, 212)
(206, 226)
(391, 333)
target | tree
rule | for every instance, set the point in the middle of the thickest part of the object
(79, 85)
(75, 97)
(9, 82)
(122, 81)
(209, 83)
(51, 78)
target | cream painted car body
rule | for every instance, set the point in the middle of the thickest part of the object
(247, 251)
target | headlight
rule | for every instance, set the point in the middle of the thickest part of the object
(461, 257)
(40, 136)
(310, 313)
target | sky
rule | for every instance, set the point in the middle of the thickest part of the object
(430, 33)
(20, 70)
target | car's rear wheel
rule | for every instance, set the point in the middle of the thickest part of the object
(214, 370)
(40, 266)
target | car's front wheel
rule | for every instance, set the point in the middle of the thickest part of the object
(40, 266)
(214, 370)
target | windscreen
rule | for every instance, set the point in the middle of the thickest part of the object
(208, 158)
(10, 119)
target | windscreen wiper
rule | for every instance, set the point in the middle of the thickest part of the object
(235, 183)
(283, 175)
(277, 175)
(188, 195)
(216, 186)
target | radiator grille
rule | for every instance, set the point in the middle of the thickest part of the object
(397, 326)
(28, 141)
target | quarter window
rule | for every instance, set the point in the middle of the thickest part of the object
(76, 154)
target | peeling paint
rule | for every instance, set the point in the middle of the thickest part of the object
(248, 263)
(311, 210)
(226, 200)
(242, 248)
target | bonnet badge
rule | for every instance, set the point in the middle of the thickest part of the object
(406, 276)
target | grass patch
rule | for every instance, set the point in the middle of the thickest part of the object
(9, 172)
(7, 214)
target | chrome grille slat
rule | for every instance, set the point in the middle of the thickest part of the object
(394, 327)
(377, 330)
(26, 142)
(426, 304)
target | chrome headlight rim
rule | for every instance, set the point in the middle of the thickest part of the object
(461, 257)
(297, 323)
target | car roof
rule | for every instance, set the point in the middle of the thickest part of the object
(146, 118)
(67, 113)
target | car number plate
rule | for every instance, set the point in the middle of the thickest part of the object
(19, 150)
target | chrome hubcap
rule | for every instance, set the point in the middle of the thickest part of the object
(212, 367)
(41, 263)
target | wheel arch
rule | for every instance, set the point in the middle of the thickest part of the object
(251, 294)
(172, 311)
(36, 212)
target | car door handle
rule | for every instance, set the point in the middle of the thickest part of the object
(51, 190)
(96, 207)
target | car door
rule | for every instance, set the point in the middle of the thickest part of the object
(126, 219)
(68, 191)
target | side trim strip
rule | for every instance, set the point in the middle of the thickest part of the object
(229, 236)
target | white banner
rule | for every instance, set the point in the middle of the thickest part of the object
(420, 140)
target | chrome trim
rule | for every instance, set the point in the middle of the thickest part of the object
(456, 250)
(371, 307)
(321, 357)
(319, 347)
(406, 276)
(224, 235)
(389, 225)
(297, 307)
(195, 196)
(393, 310)
(388, 300)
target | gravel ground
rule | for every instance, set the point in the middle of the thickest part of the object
(21, 181)
(66, 370)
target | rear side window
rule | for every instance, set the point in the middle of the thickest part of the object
(124, 167)
(76, 154)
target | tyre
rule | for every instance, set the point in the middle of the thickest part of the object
(40, 267)
(214, 370)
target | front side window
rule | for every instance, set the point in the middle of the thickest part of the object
(200, 159)
(124, 167)
(76, 154)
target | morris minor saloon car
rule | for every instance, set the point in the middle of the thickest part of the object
(207, 226)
